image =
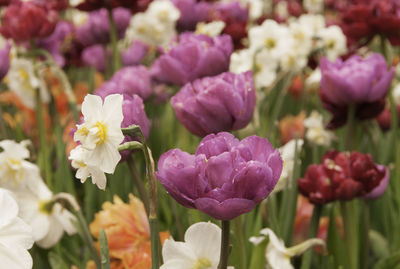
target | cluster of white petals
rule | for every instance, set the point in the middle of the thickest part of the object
(15, 235)
(155, 26)
(23, 81)
(286, 47)
(201, 249)
(316, 132)
(277, 255)
(288, 154)
(47, 219)
(99, 136)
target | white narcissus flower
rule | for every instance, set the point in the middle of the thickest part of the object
(315, 22)
(154, 27)
(396, 94)
(100, 133)
(15, 171)
(47, 218)
(212, 29)
(277, 255)
(314, 6)
(241, 61)
(15, 235)
(201, 249)
(313, 82)
(287, 152)
(316, 132)
(333, 42)
(22, 80)
(78, 156)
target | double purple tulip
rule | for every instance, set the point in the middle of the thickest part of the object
(363, 83)
(214, 104)
(195, 56)
(225, 177)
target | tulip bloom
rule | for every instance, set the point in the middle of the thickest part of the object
(24, 21)
(225, 177)
(213, 104)
(363, 83)
(344, 176)
(194, 57)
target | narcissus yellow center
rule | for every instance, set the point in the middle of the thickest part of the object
(202, 263)
(45, 207)
(270, 43)
(101, 133)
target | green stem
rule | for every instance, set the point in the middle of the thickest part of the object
(116, 59)
(138, 183)
(155, 243)
(87, 237)
(350, 233)
(3, 129)
(240, 241)
(43, 146)
(365, 236)
(224, 257)
(312, 232)
(105, 256)
(351, 121)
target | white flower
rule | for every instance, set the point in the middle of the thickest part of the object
(287, 152)
(266, 69)
(396, 94)
(281, 10)
(213, 28)
(48, 219)
(77, 17)
(314, 6)
(201, 249)
(316, 132)
(78, 156)
(24, 83)
(313, 21)
(156, 26)
(313, 82)
(256, 7)
(302, 35)
(241, 61)
(277, 255)
(100, 133)
(15, 235)
(333, 42)
(15, 171)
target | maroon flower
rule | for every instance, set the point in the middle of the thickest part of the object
(24, 21)
(384, 119)
(344, 176)
(133, 5)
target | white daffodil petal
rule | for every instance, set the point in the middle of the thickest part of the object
(14, 258)
(9, 206)
(173, 250)
(302, 247)
(17, 233)
(177, 264)
(92, 107)
(111, 109)
(205, 240)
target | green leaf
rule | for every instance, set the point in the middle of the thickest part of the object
(56, 262)
(390, 262)
(105, 258)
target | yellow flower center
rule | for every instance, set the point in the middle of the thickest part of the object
(45, 207)
(101, 133)
(270, 43)
(202, 263)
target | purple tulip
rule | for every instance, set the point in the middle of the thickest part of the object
(192, 12)
(134, 54)
(213, 104)
(381, 188)
(4, 60)
(225, 178)
(134, 113)
(97, 29)
(54, 43)
(195, 56)
(95, 56)
(128, 80)
(356, 81)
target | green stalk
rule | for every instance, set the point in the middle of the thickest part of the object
(240, 241)
(116, 59)
(105, 256)
(365, 236)
(138, 183)
(350, 233)
(312, 232)
(351, 121)
(44, 160)
(224, 257)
